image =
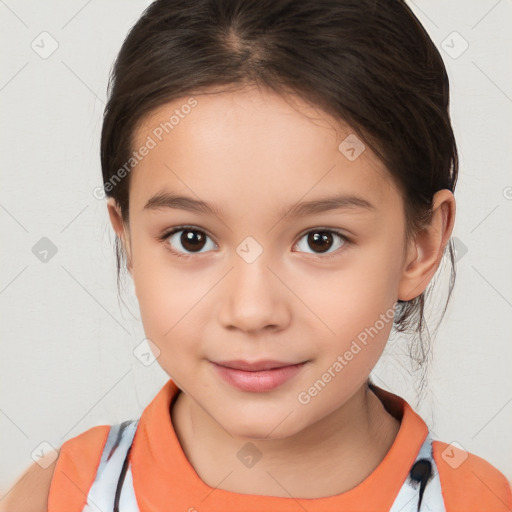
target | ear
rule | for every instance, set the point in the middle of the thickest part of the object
(120, 228)
(426, 250)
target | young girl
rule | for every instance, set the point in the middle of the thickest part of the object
(280, 177)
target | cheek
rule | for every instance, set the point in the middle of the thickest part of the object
(169, 319)
(354, 312)
(346, 358)
(344, 301)
(167, 307)
(166, 294)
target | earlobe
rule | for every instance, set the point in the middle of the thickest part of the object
(426, 250)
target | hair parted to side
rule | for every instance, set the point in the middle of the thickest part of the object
(368, 63)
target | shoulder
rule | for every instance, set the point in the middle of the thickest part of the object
(55, 485)
(30, 492)
(468, 482)
(79, 458)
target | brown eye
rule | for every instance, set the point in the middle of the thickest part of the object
(187, 240)
(321, 241)
(192, 240)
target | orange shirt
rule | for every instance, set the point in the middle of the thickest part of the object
(164, 479)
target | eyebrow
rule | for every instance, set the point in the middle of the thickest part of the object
(167, 200)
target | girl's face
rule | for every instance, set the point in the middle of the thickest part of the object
(246, 280)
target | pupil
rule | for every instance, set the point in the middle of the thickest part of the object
(322, 238)
(192, 240)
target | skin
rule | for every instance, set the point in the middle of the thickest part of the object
(252, 153)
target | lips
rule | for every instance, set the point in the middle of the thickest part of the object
(257, 376)
(256, 366)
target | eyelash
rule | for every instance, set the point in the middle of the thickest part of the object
(346, 241)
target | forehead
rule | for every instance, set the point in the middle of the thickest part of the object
(251, 146)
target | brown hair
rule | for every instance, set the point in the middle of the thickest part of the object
(369, 63)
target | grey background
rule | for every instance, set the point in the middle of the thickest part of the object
(67, 343)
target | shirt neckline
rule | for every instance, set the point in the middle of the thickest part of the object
(162, 474)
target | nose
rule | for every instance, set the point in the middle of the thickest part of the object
(253, 298)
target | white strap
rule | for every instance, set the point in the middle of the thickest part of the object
(408, 497)
(102, 492)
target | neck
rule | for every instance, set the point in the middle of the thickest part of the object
(329, 457)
